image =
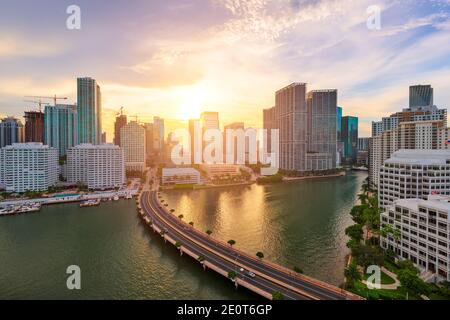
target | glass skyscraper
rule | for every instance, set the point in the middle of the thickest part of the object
(420, 96)
(61, 127)
(89, 111)
(339, 123)
(350, 138)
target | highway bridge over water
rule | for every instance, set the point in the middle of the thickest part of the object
(259, 276)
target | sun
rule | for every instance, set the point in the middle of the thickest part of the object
(191, 104)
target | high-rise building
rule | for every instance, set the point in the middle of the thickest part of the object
(28, 167)
(322, 130)
(61, 127)
(426, 135)
(11, 131)
(193, 123)
(158, 136)
(363, 144)
(269, 123)
(292, 117)
(34, 126)
(209, 120)
(132, 137)
(121, 121)
(236, 126)
(424, 234)
(96, 166)
(89, 110)
(350, 138)
(377, 128)
(148, 140)
(420, 96)
(104, 138)
(339, 123)
(414, 174)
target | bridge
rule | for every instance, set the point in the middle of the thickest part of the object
(262, 277)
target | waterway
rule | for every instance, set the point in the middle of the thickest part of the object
(295, 224)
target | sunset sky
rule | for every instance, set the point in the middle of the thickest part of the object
(176, 58)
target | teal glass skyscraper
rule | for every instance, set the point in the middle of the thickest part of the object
(350, 138)
(339, 123)
(61, 127)
(89, 110)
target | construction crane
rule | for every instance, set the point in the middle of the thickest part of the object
(54, 98)
(39, 103)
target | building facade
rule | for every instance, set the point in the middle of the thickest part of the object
(180, 176)
(61, 127)
(99, 167)
(132, 137)
(414, 174)
(89, 111)
(425, 234)
(420, 96)
(11, 131)
(322, 130)
(350, 138)
(120, 122)
(34, 126)
(28, 167)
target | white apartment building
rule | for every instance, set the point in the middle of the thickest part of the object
(97, 166)
(132, 138)
(177, 176)
(426, 135)
(425, 233)
(217, 170)
(414, 174)
(28, 167)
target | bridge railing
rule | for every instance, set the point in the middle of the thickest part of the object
(267, 263)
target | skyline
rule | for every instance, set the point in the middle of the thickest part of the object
(229, 57)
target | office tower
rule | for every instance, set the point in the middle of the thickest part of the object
(11, 131)
(132, 137)
(61, 127)
(377, 128)
(322, 130)
(148, 140)
(291, 116)
(158, 136)
(34, 126)
(269, 123)
(121, 121)
(28, 167)
(89, 109)
(103, 137)
(96, 166)
(350, 138)
(420, 96)
(424, 234)
(339, 123)
(234, 127)
(414, 174)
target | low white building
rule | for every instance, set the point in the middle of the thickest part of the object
(177, 176)
(218, 170)
(414, 174)
(28, 167)
(97, 166)
(425, 233)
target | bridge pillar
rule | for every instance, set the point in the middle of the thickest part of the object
(204, 266)
(181, 252)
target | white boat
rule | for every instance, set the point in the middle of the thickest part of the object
(116, 198)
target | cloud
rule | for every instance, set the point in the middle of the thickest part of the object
(18, 46)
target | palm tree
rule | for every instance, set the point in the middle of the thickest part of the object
(191, 223)
(209, 232)
(231, 243)
(397, 235)
(172, 210)
(277, 296)
(352, 273)
(260, 255)
(180, 217)
(178, 244)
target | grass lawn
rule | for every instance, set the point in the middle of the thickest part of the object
(385, 279)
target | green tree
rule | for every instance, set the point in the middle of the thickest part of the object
(209, 232)
(181, 217)
(298, 270)
(411, 281)
(355, 232)
(277, 296)
(231, 242)
(260, 255)
(232, 275)
(352, 274)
